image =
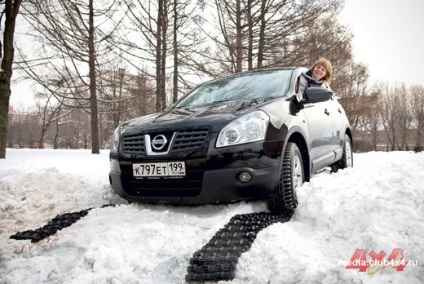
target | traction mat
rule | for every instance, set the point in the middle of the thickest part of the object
(57, 223)
(217, 260)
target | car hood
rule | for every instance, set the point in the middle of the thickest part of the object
(214, 116)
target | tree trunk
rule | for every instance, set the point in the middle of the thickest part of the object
(239, 38)
(4, 111)
(163, 55)
(261, 47)
(7, 51)
(250, 35)
(175, 51)
(56, 136)
(95, 144)
(158, 56)
(42, 135)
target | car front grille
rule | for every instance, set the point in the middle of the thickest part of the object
(133, 144)
(185, 140)
(189, 140)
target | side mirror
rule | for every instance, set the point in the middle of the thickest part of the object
(317, 95)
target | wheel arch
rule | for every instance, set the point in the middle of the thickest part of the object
(349, 133)
(299, 139)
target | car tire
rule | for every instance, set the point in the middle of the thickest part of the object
(283, 200)
(347, 157)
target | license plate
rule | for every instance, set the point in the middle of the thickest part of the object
(164, 169)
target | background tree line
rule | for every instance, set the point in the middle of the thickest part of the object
(98, 63)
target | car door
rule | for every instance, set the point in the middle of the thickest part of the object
(320, 127)
(340, 122)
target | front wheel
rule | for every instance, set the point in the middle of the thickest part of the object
(283, 200)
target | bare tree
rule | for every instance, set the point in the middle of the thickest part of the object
(396, 114)
(262, 33)
(183, 41)
(78, 43)
(23, 129)
(404, 116)
(389, 113)
(113, 94)
(49, 111)
(149, 23)
(8, 16)
(123, 96)
(351, 85)
(166, 41)
(372, 117)
(417, 105)
(74, 130)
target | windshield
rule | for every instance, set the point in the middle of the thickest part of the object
(248, 86)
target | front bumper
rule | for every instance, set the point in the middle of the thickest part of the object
(212, 175)
(215, 186)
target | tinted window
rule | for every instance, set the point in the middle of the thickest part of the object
(264, 84)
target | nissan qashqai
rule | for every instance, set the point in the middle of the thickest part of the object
(244, 136)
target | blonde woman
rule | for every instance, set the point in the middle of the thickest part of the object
(319, 75)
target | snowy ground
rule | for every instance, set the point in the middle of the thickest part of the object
(376, 206)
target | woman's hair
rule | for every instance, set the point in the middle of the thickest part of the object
(327, 65)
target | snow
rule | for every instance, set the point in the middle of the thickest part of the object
(377, 206)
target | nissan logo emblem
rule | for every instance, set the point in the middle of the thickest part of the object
(159, 142)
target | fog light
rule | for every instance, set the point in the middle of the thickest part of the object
(245, 177)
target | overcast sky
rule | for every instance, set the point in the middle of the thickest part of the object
(389, 38)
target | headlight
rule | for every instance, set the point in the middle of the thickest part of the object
(248, 128)
(115, 139)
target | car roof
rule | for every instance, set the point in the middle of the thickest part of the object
(260, 70)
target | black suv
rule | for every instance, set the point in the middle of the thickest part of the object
(244, 136)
